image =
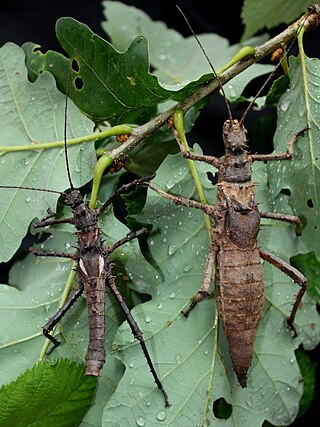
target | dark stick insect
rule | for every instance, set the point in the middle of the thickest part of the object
(234, 256)
(94, 270)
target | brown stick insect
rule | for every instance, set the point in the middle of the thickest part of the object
(234, 256)
(94, 270)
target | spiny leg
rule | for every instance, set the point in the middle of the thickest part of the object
(295, 275)
(204, 291)
(130, 236)
(40, 252)
(48, 327)
(281, 156)
(123, 189)
(136, 333)
(178, 200)
(46, 221)
(292, 219)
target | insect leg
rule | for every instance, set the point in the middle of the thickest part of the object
(281, 156)
(292, 219)
(122, 189)
(48, 327)
(178, 200)
(130, 236)
(206, 279)
(295, 274)
(136, 333)
(46, 221)
(37, 252)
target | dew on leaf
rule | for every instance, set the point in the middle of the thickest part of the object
(169, 184)
(161, 416)
(140, 421)
(171, 249)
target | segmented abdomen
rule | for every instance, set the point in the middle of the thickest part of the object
(239, 294)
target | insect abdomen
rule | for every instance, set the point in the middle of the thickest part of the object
(239, 293)
(92, 269)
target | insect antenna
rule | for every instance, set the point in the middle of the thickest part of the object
(208, 60)
(65, 129)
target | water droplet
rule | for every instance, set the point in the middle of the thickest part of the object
(161, 416)
(232, 91)
(140, 421)
(285, 105)
(187, 267)
(172, 295)
(171, 249)
(160, 306)
(178, 357)
(148, 319)
(131, 365)
(169, 184)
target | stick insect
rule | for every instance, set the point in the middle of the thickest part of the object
(234, 256)
(94, 270)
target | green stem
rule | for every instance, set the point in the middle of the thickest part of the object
(242, 53)
(101, 165)
(115, 130)
(179, 125)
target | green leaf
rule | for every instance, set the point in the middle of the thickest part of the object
(258, 14)
(114, 85)
(177, 60)
(191, 354)
(48, 394)
(33, 113)
(297, 110)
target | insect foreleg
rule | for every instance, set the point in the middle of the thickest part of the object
(45, 222)
(292, 219)
(178, 200)
(295, 275)
(287, 155)
(136, 331)
(38, 252)
(130, 236)
(49, 326)
(123, 189)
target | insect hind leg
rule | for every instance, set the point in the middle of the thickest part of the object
(295, 275)
(49, 326)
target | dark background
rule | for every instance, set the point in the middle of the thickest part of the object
(34, 20)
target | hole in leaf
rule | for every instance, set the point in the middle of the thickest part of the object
(286, 191)
(75, 65)
(78, 82)
(222, 409)
(310, 203)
